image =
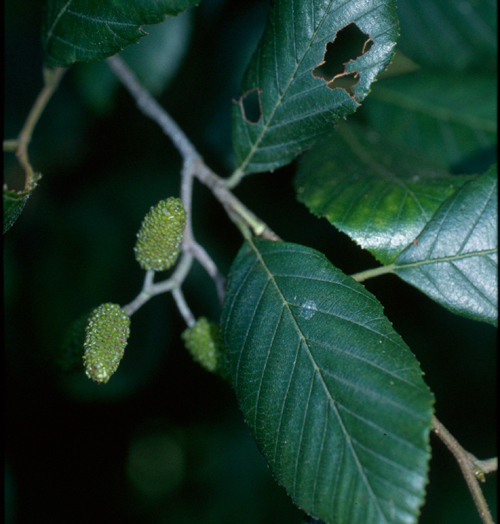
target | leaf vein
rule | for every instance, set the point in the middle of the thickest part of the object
(98, 20)
(257, 400)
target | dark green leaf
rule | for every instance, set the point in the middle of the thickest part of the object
(13, 204)
(379, 194)
(294, 106)
(421, 112)
(446, 34)
(83, 30)
(333, 396)
(456, 258)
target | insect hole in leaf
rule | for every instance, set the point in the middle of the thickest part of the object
(251, 106)
(349, 44)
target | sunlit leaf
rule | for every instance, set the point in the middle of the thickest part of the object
(379, 194)
(83, 30)
(292, 104)
(455, 258)
(333, 396)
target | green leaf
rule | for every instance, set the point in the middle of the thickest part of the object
(13, 204)
(83, 30)
(421, 112)
(378, 193)
(333, 396)
(295, 104)
(446, 34)
(455, 261)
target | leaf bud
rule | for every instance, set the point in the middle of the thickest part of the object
(159, 239)
(106, 335)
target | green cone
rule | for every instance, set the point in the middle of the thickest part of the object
(106, 336)
(159, 239)
(204, 342)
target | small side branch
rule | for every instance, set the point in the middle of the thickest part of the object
(52, 79)
(150, 289)
(183, 307)
(209, 265)
(471, 468)
(189, 243)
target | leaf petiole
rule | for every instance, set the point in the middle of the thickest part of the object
(370, 273)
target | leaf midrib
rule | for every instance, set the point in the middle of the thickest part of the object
(450, 258)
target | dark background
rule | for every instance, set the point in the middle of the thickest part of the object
(164, 441)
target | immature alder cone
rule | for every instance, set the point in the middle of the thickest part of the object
(106, 336)
(159, 239)
(204, 342)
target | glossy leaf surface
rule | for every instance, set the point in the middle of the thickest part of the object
(376, 192)
(83, 30)
(295, 107)
(333, 396)
(455, 261)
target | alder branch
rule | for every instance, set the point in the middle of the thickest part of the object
(192, 160)
(192, 166)
(470, 466)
